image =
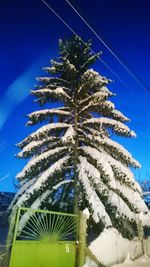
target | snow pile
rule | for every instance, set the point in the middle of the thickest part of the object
(143, 261)
(147, 246)
(111, 248)
(90, 263)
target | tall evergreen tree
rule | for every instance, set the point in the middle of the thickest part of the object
(73, 160)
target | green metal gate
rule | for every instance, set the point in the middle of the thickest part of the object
(44, 239)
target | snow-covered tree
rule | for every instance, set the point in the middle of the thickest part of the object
(72, 159)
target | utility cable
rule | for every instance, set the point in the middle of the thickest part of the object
(67, 25)
(134, 76)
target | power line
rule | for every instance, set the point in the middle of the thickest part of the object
(67, 25)
(133, 75)
(4, 177)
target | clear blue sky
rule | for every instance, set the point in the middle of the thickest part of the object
(29, 38)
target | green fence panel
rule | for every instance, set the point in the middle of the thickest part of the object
(44, 239)
(38, 254)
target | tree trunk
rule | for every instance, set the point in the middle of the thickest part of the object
(76, 206)
(82, 239)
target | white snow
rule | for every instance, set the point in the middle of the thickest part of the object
(59, 91)
(99, 212)
(117, 126)
(114, 146)
(119, 115)
(51, 79)
(98, 96)
(95, 77)
(57, 166)
(36, 160)
(56, 111)
(33, 145)
(120, 149)
(37, 203)
(69, 136)
(133, 196)
(110, 247)
(86, 213)
(107, 105)
(144, 217)
(21, 191)
(103, 161)
(48, 173)
(143, 261)
(43, 132)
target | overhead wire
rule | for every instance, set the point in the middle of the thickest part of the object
(4, 177)
(70, 28)
(93, 52)
(133, 75)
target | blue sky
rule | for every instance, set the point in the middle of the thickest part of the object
(29, 39)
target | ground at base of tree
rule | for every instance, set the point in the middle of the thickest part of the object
(143, 261)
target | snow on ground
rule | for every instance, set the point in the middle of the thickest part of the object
(111, 248)
(143, 261)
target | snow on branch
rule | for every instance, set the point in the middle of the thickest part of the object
(99, 212)
(112, 168)
(123, 173)
(122, 208)
(45, 176)
(43, 132)
(40, 115)
(113, 198)
(38, 202)
(69, 136)
(117, 126)
(95, 132)
(119, 116)
(47, 111)
(92, 76)
(60, 67)
(107, 107)
(116, 149)
(21, 191)
(144, 217)
(90, 61)
(35, 146)
(130, 193)
(41, 159)
(111, 147)
(59, 93)
(95, 98)
(133, 197)
(52, 80)
(102, 164)
(92, 172)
